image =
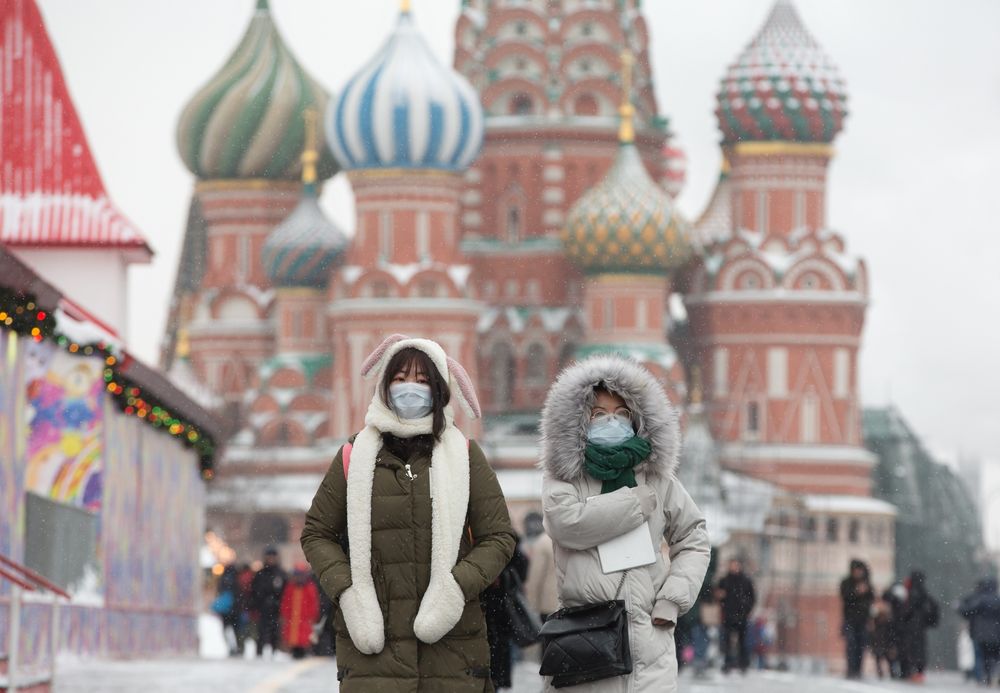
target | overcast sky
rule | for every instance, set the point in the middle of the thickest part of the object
(913, 187)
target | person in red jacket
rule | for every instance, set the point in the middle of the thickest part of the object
(299, 611)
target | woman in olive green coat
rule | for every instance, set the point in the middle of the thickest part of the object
(407, 541)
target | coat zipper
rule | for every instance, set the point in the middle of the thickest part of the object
(409, 471)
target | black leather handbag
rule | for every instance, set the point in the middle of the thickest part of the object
(587, 643)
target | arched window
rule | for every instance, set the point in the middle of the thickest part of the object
(566, 355)
(586, 105)
(536, 363)
(503, 374)
(832, 530)
(513, 224)
(521, 104)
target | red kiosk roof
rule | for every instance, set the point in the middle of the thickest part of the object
(51, 194)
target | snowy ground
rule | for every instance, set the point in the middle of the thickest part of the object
(214, 673)
(320, 676)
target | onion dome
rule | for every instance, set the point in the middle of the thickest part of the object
(301, 250)
(782, 87)
(626, 223)
(246, 122)
(404, 109)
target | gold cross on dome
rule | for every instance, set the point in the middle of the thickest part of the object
(626, 128)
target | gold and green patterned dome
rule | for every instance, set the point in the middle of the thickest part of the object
(626, 223)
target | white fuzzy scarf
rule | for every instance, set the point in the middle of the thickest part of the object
(442, 604)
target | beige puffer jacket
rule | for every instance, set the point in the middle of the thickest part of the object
(664, 589)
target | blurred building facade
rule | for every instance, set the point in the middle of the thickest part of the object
(518, 207)
(103, 460)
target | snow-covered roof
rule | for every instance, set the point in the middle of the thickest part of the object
(518, 318)
(852, 505)
(272, 492)
(51, 193)
(782, 254)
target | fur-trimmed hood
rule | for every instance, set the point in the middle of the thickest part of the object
(566, 415)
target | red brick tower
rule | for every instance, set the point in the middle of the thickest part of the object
(241, 135)
(776, 312)
(547, 75)
(405, 128)
(626, 237)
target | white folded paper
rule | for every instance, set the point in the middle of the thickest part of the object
(630, 550)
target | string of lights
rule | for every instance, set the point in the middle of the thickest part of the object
(20, 314)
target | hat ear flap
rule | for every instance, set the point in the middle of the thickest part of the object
(460, 377)
(376, 356)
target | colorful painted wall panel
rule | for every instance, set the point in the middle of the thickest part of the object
(66, 396)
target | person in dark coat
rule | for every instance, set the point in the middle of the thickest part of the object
(737, 597)
(857, 597)
(895, 599)
(265, 595)
(244, 579)
(227, 590)
(882, 650)
(498, 629)
(919, 612)
(982, 609)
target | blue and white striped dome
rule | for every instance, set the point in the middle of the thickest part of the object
(406, 110)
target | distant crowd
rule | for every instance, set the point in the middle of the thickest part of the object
(275, 610)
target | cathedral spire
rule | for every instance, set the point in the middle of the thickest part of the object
(626, 128)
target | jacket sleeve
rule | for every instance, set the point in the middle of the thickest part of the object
(490, 525)
(690, 550)
(325, 526)
(579, 524)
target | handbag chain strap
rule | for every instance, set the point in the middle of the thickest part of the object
(621, 583)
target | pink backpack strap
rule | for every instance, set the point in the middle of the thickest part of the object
(345, 455)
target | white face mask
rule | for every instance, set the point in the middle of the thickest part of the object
(410, 400)
(610, 430)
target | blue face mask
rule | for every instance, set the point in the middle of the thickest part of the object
(612, 430)
(410, 400)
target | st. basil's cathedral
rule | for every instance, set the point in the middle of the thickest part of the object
(519, 208)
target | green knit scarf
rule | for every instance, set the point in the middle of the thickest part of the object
(615, 464)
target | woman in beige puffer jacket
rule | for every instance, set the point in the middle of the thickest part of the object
(657, 594)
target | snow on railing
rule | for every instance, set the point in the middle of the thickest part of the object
(24, 580)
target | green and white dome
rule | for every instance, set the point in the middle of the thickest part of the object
(246, 122)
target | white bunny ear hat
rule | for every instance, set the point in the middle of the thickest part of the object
(451, 370)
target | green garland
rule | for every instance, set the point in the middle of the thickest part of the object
(20, 314)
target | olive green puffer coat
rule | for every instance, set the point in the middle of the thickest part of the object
(401, 567)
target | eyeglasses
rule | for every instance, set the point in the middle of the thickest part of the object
(620, 412)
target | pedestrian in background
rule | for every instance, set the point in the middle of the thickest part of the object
(610, 444)
(919, 613)
(265, 596)
(882, 647)
(895, 598)
(540, 587)
(247, 617)
(737, 597)
(404, 546)
(857, 597)
(299, 611)
(498, 627)
(225, 606)
(982, 609)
